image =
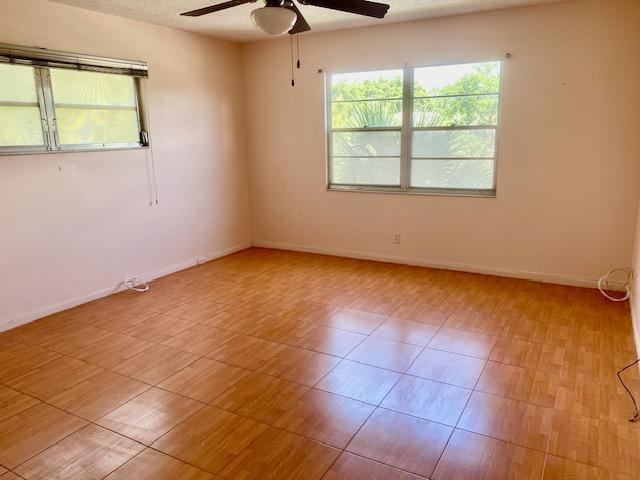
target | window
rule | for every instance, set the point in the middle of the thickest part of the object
(431, 129)
(20, 118)
(50, 102)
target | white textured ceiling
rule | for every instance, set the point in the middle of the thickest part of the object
(234, 24)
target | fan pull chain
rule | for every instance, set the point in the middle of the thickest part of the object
(298, 48)
(293, 82)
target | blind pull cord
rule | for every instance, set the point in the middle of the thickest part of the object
(154, 176)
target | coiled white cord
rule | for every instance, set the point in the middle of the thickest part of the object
(136, 285)
(605, 282)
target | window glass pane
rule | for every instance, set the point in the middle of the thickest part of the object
(475, 174)
(20, 126)
(94, 126)
(453, 143)
(20, 122)
(17, 84)
(455, 111)
(457, 79)
(377, 113)
(354, 144)
(91, 88)
(367, 85)
(95, 108)
(366, 171)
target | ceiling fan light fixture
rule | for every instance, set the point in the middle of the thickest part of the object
(273, 20)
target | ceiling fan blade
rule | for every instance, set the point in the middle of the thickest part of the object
(215, 8)
(301, 24)
(360, 7)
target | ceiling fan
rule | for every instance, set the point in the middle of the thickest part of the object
(280, 16)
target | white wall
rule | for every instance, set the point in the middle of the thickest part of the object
(72, 226)
(568, 166)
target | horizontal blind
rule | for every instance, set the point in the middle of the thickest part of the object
(41, 57)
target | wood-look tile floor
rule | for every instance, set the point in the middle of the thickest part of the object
(279, 365)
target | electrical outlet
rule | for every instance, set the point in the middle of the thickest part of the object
(396, 238)
(200, 261)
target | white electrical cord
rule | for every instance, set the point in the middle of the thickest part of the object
(136, 285)
(605, 282)
(625, 280)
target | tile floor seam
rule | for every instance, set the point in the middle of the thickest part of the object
(175, 426)
(465, 407)
(346, 452)
(595, 465)
(296, 346)
(449, 351)
(251, 443)
(246, 418)
(108, 412)
(360, 455)
(90, 422)
(344, 449)
(461, 413)
(149, 447)
(272, 341)
(546, 451)
(37, 368)
(472, 390)
(401, 413)
(57, 441)
(120, 466)
(499, 396)
(341, 360)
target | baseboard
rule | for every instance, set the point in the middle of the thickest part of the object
(483, 269)
(147, 277)
(574, 281)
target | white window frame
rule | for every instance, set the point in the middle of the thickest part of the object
(407, 130)
(42, 61)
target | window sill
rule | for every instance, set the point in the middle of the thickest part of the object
(441, 192)
(6, 151)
